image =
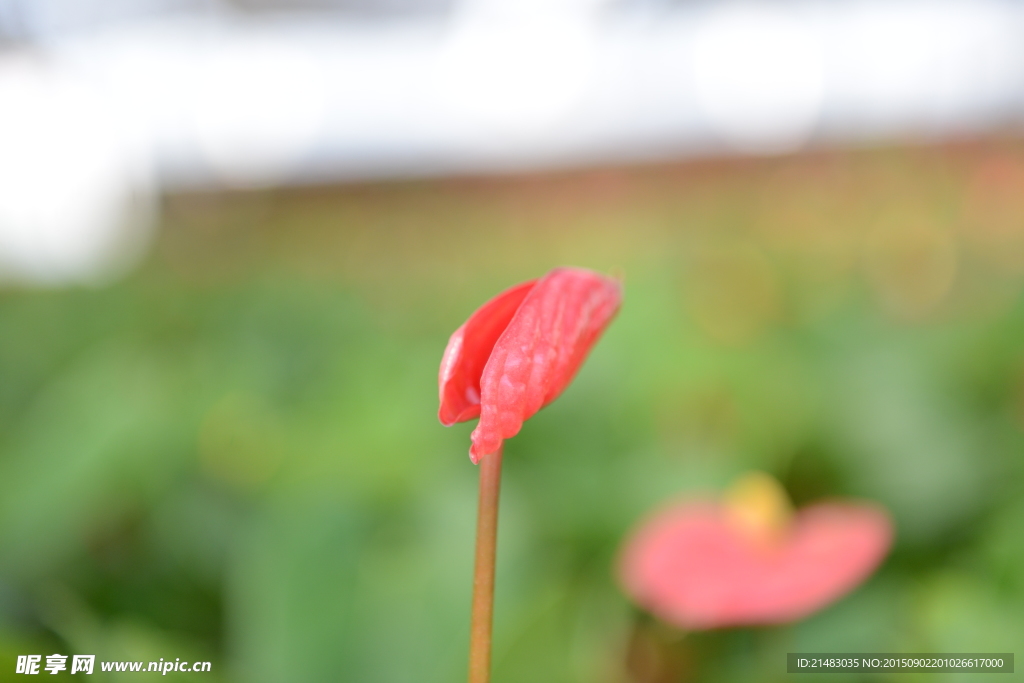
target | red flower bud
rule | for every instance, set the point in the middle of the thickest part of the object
(520, 350)
(699, 565)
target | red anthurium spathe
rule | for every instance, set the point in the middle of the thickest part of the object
(745, 560)
(513, 356)
(520, 350)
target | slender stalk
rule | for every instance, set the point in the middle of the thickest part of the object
(483, 572)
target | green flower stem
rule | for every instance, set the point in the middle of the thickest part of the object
(483, 572)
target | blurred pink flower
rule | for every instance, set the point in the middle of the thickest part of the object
(702, 564)
(520, 350)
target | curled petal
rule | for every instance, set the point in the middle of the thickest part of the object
(690, 566)
(467, 352)
(538, 354)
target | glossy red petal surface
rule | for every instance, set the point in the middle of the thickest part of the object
(467, 353)
(538, 354)
(690, 566)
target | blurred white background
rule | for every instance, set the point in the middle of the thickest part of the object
(106, 103)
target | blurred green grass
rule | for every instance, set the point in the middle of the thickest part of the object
(233, 453)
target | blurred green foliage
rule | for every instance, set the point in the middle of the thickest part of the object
(232, 454)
